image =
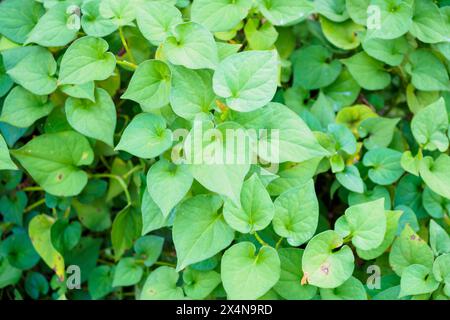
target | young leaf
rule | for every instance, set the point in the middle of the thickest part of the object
(168, 184)
(219, 15)
(156, 20)
(247, 80)
(150, 85)
(297, 214)
(93, 119)
(146, 136)
(191, 93)
(247, 275)
(256, 210)
(199, 230)
(85, 60)
(192, 46)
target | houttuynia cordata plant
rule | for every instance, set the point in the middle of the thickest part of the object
(225, 149)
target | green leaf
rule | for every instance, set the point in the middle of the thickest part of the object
(326, 262)
(409, 249)
(247, 275)
(65, 235)
(377, 132)
(392, 219)
(55, 27)
(391, 52)
(121, 12)
(191, 94)
(149, 248)
(352, 289)
(215, 165)
(191, 46)
(427, 71)
(367, 224)
(40, 235)
(152, 217)
(150, 85)
(146, 136)
(313, 67)
(93, 22)
(435, 205)
(286, 132)
(95, 216)
(53, 159)
(285, 12)
(199, 284)
(93, 119)
(256, 210)
(260, 36)
(5, 159)
(126, 228)
(297, 214)
(18, 18)
(80, 91)
(220, 15)
(127, 273)
(343, 91)
(428, 24)
(368, 72)
(85, 60)
(332, 9)
(156, 19)
(429, 126)
(351, 179)
(168, 184)
(36, 285)
(100, 282)
(417, 279)
(161, 284)
(247, 80)
(439, 239)
(343, 35)
(289, 285)
(436, 174)
(395, 18)
(36, 78)
(385, 165)
(19, 251)
(199, 230)
(8, 274)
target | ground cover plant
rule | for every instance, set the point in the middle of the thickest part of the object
(224, 149)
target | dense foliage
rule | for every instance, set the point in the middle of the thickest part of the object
(102, 105)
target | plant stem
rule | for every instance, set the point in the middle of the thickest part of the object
(279, 243)
(119, 180)
(163, 263)
(125, 63)
(125, 45)
(32, 189)
(260, 240)
(34, 205)
(126, 175)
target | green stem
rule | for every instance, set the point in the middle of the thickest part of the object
(125, 45)
(125, 63)
(260, 240)
(163, 263)
(32, 189)
(279, 243)
(34, 205)
(119, 180)
(126, 175)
